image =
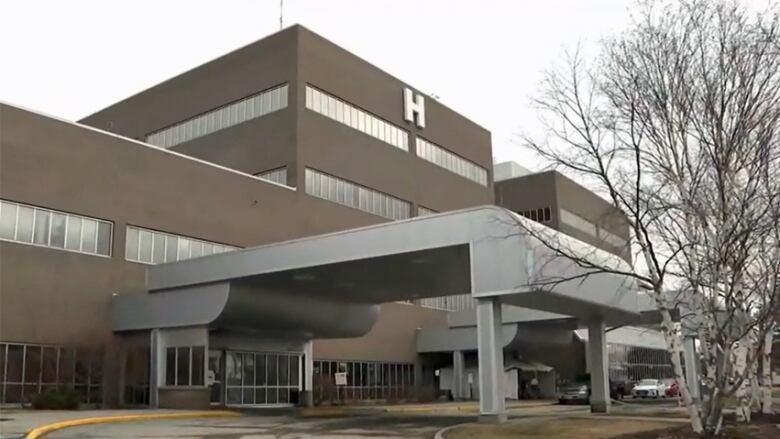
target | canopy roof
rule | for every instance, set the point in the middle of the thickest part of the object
(329, 285)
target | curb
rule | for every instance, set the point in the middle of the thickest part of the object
(46, 429)
(440, 434)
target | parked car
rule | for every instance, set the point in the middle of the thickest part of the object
(580, 392)
(575, 393)
(649, 388)
(672, 389)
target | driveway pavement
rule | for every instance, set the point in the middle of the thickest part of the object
(282, 427)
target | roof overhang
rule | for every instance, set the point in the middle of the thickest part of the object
(336, 280)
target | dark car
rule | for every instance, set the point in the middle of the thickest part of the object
(580, 393)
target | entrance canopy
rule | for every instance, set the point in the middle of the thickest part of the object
(330, 285)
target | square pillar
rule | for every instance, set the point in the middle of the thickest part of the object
(491, 360)
(308, 374)
(418, 378)
(457, 375)
(691, 359)
(599, 368)
(156, 369)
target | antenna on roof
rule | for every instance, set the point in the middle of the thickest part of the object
(281, 14)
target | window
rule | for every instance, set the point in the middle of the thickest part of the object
(423, 211)
(49, 228)
(347, 114)
(29, 369)
(366, 380)
(184, 366)
(350, 194)
(451, 162)
(235, 113)
(577, 222)
(611, 238)
(153, 247)
(277, 175)
(459, 302)
(258, 378)
(541, 215)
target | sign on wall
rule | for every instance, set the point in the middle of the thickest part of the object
(414, 107)
(341, 378)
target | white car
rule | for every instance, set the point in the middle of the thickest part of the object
(649, 388)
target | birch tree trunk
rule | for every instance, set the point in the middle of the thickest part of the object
(766, 372)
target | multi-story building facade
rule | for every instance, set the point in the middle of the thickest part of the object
(287, 137)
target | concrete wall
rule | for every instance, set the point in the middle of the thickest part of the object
(556, 191)
(342, 151)
(391, 339)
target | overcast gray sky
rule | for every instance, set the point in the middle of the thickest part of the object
(483, 58)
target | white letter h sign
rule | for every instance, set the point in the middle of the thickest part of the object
(414, 105)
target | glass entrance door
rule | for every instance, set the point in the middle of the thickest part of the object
(215, 377)
(262, 378)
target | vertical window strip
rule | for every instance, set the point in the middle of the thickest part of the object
(542, 214)
(248, 108)
(352, 195)
(153, 247)
(452, 162)
(276, 175)
(50, 228)
(347, 114)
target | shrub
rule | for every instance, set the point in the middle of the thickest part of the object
(63, 398)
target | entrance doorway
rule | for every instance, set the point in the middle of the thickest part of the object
(262, 379)
(214, 377)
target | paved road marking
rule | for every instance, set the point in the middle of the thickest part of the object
(45, 429)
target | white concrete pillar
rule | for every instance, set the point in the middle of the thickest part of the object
(458, 378)
(418, 377)
(491, 360)
(308, 374)
(599, 368)
(691, 359)
(156, 367)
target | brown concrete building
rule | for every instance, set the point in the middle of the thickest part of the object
(85, 211)
(288, 137)
(562, 204)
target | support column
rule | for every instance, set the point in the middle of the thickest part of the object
(458, 378)
(156, 369)
(418, 378)
(691, 367)
(491, 361)
(599, 371)
(308, 374)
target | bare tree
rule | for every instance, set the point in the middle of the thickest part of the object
(677, 124)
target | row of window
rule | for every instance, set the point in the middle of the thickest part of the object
(451, 162)
(50, 228)
(153, 247)
(184, 365)
(262, 378)
(235, 113)
(350, 194)
(542, 215)
(347, 114)
(277, 175)
(29, 369)
(633, 363)
(577, 222)
(365, 380)
(423, 211)
(459, 302)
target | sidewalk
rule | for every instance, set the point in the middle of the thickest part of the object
(17, 423)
